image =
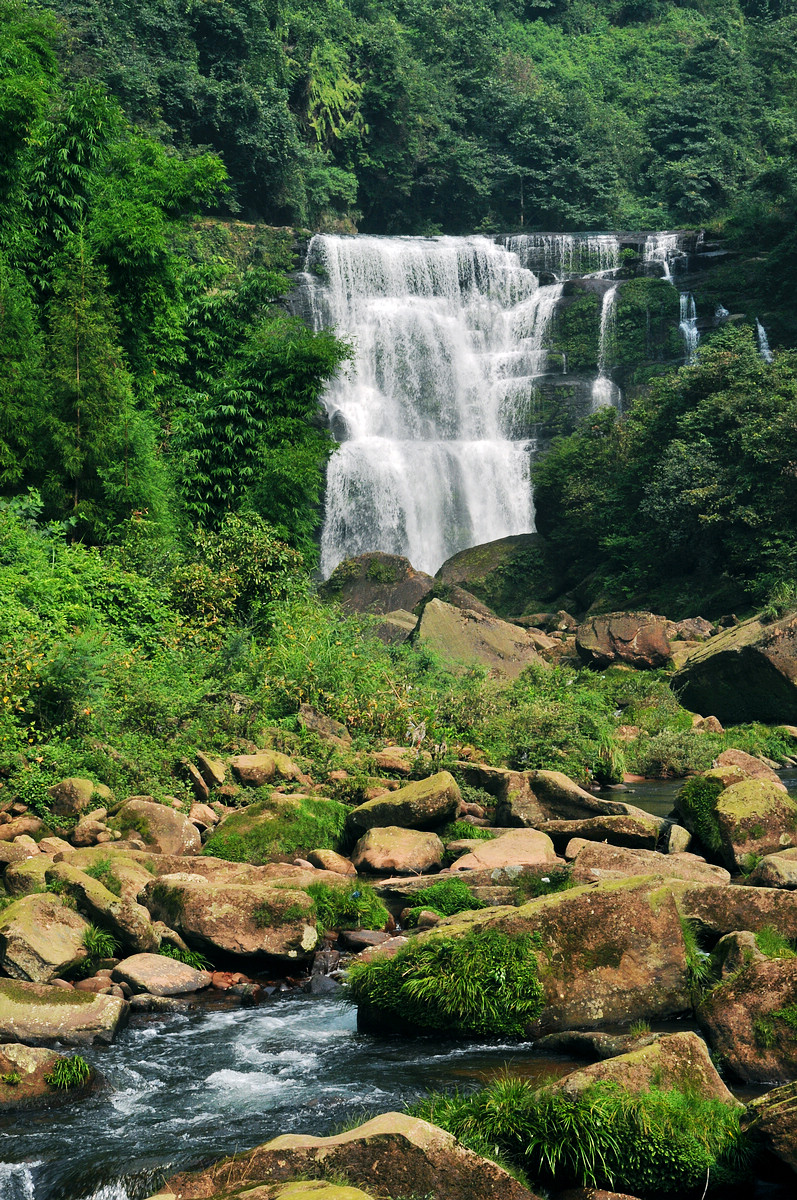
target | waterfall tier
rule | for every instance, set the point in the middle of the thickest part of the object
(469, 352)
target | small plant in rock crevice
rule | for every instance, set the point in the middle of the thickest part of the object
(99, 943)
(68, 1073)
(191, 958)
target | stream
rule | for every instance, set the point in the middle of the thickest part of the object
(183, 1089)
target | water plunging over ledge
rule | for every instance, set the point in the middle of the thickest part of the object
(436, 415)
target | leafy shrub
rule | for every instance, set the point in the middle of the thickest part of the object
(655, 1143)
(69, 1073)
(348, 906)
(697, 801)
(265, 830)
(673, 752)
(482, 983)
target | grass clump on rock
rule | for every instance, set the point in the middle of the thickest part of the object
(654, 1143)
(697, 802)
(348, 906)
(68, 1073)
(447, 897)
(482, 983)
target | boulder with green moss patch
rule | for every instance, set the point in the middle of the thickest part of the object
(719, 910)
(40, 938)
(510, 574)
(755, 818)
(281, 825)
(26, 877)
(464, 639)
(676, 1060)
(235, 918)
(407, 1156)
(425, 804)
(23, 1078)
(40, 1015)
(376, 583)
(594, 861)
(751, 1021)
(127, 919)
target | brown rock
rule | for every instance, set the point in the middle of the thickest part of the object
(13, 852)
(406, 1155)
(40, 938)
(755, 818)
(735, 951)
(254, 770)
(534, 796)
(328, 860)
(396, 627)
(203, 816)
(707, 725)
(159, 975)
(73, 796)
(198, 785)
(394, 850)
(748, 1023)
(377, 583)
(773, 1117)
(27, 876)
(776, 871)
(19, 826)
(127, 919)
(166, 831)
(752, 767)
(598, 861)
(635, 832)
(325, 727)
(637, 638)
(521, 847)
(212, 770)
(33, 1065)
(87, 831)
(721, 910)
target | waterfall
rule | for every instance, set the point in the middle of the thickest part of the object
(604, 390)
(763, 342)
(662, 249)
(432, 415)
(566, 255)
(688, 327)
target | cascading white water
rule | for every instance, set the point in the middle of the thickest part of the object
(432, 414)
(763, 342)
(604, 389)
(688, 326)
(662, 248)
(565, 255)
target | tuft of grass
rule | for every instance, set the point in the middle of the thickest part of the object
(557, 879)
(638, 1028)
(69, 1073)
(263, 832)
(457, 830)
(270, 916)
(482, 983)
(99, 943)
(697, 802)
(698, 962)
(773, 944)
(651, 1144)
(347, 906)
(191, 958)
(102, 871)
(11, 1078)
(447, 897)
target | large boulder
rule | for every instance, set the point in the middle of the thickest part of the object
(637, 638)
(464, 638)
(376, 583)
(745, 673)
(510, 574)
(127, 871)
(640, 831)
(263, 767)
(531, 797)
(776, 871)
(127, 919)
(751, 1021)
(261, 832)
(420, 805)
(235, 918)
(720, 910)
(166, 831)
(40, 938)
(676, 1060)
(22, 878)
(32, 1064)
(392, 850)
(752, 767)
(598, 861)
(773, 1117)
(39, 1015)
(754, 818)
(521, 847)
(159, 975)
(71, 797)
(406, 1156)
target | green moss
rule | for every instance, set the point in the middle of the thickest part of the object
(169, 900)
(381, 572)
(265, 831)
(605, 955)
(11, 990)
(102, 870)
(271, 916)
(697, 804)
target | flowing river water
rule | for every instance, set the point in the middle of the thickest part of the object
(183, 1089)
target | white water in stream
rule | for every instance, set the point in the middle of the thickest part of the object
(448, 335)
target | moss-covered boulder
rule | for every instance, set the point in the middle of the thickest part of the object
(158, 826)
(640, 831)
(40, 938)
(510, 575)
(391, 850)
(533, 796)
(41, 1015)
(745, 673)
(754, 818)
(125, 918)
(676, 1060)
(26, 1078)
(407, 1156)
(70, 797)
(235, 918)
(773, 1118)
(718, 910)
(751, 1021)
(424, 804)
(23, 878)
(463, 638)
(278, 827)
(376, 583)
